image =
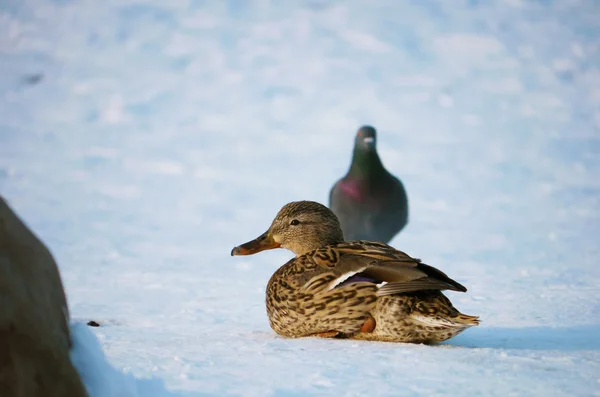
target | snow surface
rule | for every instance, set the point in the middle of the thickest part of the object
(143, 139)
(100, 377)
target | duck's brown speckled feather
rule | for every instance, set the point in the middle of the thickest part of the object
(302, 299)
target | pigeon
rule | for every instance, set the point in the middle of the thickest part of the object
(370, 203)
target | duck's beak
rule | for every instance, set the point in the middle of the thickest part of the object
(263, 242)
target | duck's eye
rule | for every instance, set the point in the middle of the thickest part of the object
(295, 222)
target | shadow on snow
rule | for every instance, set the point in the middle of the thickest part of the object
(582, 337)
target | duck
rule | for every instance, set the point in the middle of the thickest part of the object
(370, 203)
(361, 289)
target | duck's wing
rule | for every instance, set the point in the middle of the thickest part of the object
(358, 261)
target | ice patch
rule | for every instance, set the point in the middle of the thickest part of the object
(472, 48)
(365, 41)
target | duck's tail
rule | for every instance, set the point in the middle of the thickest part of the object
(434, 309)
(467, 320)
(460, 321)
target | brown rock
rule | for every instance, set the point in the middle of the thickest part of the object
(34, 318)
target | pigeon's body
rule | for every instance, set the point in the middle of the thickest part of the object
(370, 203)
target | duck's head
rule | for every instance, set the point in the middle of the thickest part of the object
(300, 226)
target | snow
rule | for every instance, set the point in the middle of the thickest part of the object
(143, 139)
(102, 379)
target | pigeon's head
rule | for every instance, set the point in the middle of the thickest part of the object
(366, 138)
(300, 226)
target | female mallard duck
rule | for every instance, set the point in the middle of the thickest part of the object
(359, 289)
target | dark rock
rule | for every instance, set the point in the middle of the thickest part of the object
(34, 319)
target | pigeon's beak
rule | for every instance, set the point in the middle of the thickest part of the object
(264, 242)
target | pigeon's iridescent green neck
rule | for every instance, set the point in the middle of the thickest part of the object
(366, 164)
